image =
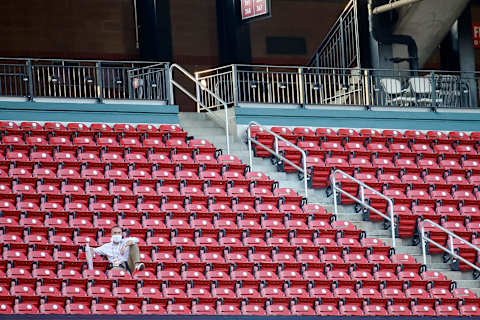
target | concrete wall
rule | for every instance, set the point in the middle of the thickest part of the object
(89, 29)
(83, 112)
(307, 19)
(340, 118)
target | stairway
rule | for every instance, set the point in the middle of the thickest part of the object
(201, 127)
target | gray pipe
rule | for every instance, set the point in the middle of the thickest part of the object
(383, 35)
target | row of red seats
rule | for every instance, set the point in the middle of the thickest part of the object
(370, 154)
(252, 289)
(329, 134)
(257, 307)
(76, 127)
(171, 175)
(38, 144)
(239, 226)
(406, 150)
(319, 170)
(179, 220)
(163, 157)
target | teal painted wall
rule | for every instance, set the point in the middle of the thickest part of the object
(360, 119)
(79, 112)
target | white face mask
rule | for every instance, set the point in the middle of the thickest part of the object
(116, 238)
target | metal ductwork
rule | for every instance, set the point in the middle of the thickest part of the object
(382, 19)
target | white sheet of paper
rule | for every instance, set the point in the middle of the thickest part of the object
(88, 255)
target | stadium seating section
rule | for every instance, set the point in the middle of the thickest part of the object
(215, 237)
(429, 175)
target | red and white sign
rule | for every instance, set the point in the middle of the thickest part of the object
(476, 35)
(253, 8)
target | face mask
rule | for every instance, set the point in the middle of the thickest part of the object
(117, 238)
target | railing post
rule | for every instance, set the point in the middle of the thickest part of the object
(30, 80)
(334, 192)
(450, 238)
(249, 138)
(168, 84)
(362, 194)
(424, 252)
(276, 144)
(392, 222)
(199, 91)
(357, 33)
(99, 82)
(434, 92)
(301, 87)
(227, 127)
(235, 85)
(130, 84)
(171, 99)
(305, 173)
(342, 45)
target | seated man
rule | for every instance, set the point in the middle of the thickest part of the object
(121, 253)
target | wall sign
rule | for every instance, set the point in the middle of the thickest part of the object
(254, 8)
(476, 35)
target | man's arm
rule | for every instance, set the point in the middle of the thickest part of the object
(129, 242)
(98, 250)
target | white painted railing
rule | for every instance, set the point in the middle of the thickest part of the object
(362, 186)
(424, 239)
(276, 153)
(197, 100)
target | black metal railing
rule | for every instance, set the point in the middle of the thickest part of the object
(341, 46)
(84, 79)
(308, 86)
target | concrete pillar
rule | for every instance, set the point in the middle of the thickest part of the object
(155, 31)
(233, 35)
(466, 52)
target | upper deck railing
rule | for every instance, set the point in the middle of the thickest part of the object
(310, 86)
(341, 46)
(83, 79)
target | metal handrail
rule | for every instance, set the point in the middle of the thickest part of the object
(197, 100)
(79, 60)
(242, 84)
(149, 67)
(362, 201)
(338, 39)
(276, 153)
(450, 251)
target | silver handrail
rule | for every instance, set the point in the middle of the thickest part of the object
(450, 251)
(276, 153)
(362, 201)
(179, 86)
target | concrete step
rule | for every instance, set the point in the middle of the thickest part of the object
(435, 258)
(419, 259)
(399, 242)
(469, 284)
(191, 115)
(379, 234)
(442, 267)
(457, 275)
(192, 124)
(352, 217)
(197, 125)
(475, 290)
(411, 250)
(368, 226)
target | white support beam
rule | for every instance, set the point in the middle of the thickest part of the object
(394, 5)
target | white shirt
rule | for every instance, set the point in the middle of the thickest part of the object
(112, 250)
